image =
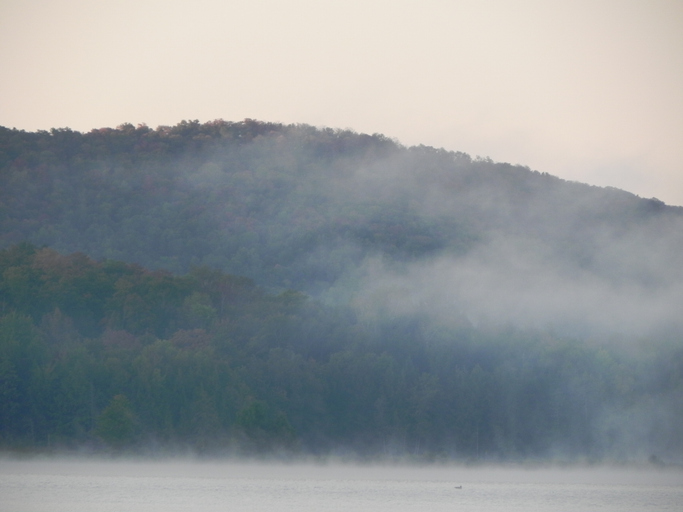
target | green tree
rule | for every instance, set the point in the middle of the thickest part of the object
(264, 428)
(116, 424)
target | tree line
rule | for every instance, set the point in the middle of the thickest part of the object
(106, 355)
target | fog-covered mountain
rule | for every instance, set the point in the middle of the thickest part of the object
(474, 278)
(346, 216)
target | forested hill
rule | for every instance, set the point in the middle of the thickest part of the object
(299, 207)
(110, 356)
(443, 304)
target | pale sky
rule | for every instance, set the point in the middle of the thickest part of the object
(588, 90)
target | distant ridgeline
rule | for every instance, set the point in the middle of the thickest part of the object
(111, 356)
(444, 305)
(288, 206)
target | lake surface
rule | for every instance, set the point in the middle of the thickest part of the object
(180, 485)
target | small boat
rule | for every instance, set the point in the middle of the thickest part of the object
(458, 486)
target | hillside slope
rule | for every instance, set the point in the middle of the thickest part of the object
(346, 216)
(110, 356)
(452, 306)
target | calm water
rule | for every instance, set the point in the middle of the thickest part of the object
(94, 486)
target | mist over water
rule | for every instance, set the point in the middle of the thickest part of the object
(139, 485)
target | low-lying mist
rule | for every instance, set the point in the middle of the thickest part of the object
(516, 282)
(521, 249)
(175, 484)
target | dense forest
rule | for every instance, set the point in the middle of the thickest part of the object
(295, 206)
(256, 288)
(105, 353)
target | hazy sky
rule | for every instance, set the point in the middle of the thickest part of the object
(587, 90)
